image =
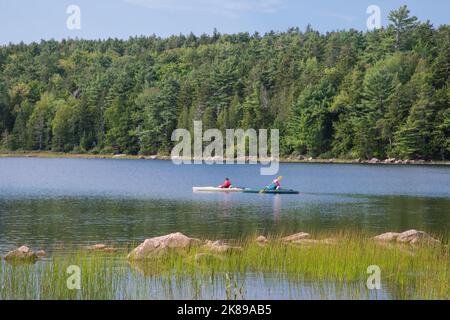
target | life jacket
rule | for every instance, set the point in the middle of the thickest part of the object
(275, 185)
(226, 185)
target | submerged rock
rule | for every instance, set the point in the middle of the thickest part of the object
(208, 257)
(157, 245)
(313, 241)
(262, 241)
(296, 237)
(387, 237)
(100, 247)
(41, 253)
(219, 246)
(21, 254)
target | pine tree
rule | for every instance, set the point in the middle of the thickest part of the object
(403, 23)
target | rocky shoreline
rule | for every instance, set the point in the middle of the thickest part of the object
(153, 247)
(290, 159)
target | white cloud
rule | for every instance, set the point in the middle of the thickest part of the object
(229, 8)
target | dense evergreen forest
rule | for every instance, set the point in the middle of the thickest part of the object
(343, 94)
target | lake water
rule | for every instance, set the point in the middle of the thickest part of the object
(48, 202)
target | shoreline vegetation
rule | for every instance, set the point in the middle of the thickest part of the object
(288, 159)
(413, 266)
(342, 94)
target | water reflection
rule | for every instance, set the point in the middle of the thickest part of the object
(277, 207)
(225, 204)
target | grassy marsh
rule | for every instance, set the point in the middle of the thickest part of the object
(335, 270)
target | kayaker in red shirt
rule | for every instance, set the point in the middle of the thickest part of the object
(226, 184)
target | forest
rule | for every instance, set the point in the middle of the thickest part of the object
(341, 94)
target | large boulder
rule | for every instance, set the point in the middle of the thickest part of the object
(96, 247)
(296, 237)
(154, 246)
(416, 237)
(21, 254)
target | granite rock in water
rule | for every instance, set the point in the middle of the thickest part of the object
(416, 237)
(157, 245)
(21, 254)
(411, 236)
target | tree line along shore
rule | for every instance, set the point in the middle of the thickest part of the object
(343, 94)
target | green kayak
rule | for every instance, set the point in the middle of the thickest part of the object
(279, 191)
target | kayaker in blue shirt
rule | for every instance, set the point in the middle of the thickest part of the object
(275, 184)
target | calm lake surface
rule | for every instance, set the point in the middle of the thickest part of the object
(52, 202)
(57, 204)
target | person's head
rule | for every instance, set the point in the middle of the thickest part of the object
(227, 179)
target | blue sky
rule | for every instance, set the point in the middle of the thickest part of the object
(32, 20)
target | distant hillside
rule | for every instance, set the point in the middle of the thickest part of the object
(342, 94)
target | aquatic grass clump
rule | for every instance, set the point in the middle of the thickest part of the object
(336, 269)
(48, 279)
(411, 271)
